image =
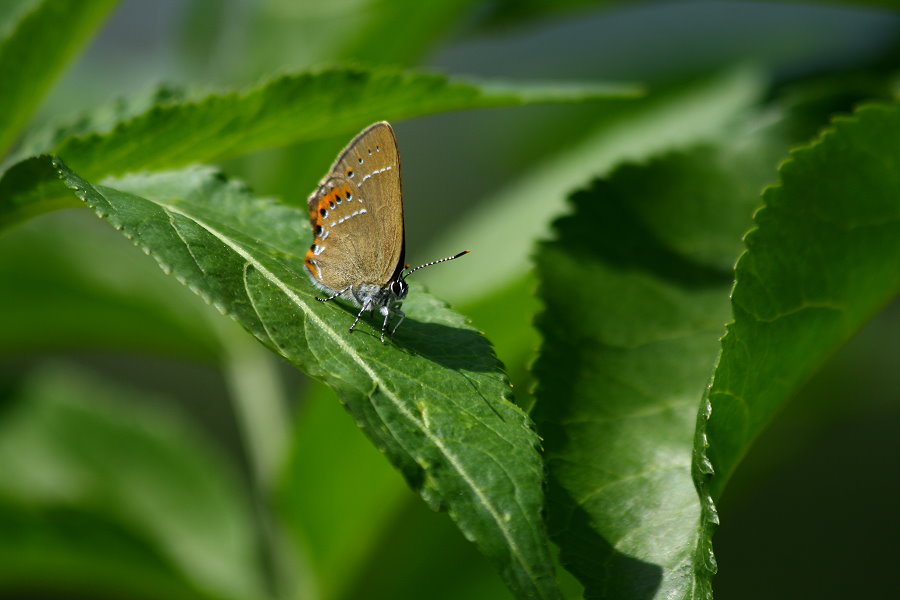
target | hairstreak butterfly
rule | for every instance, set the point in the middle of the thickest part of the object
(356, 214)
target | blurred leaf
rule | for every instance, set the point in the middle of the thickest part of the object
(55, 298)
(12, 14)
(435, 400)
(636, 294)
(357, 493)
(503, 230)
(65, 553)
(379, 39)
(46, 37)
(127, 482)
(31, 188)
(366, 32)
(420, 551)
(497, 292)
(505, 316)
(293, 108)
(822, 259)
(101, 119)
(507, 13)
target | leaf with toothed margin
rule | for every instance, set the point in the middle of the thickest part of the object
(636, 289)
(823, 257)
(288, 109)
(435, 399)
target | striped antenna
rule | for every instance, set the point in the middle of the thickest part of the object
(434, 262)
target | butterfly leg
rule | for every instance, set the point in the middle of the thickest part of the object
(364, 308)
(334, 295)
(402, 316)
(387, 317)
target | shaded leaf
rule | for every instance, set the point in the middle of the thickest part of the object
(46, 37)
(55, 298)
(303, 33)
(636, 294)
(507, 226)
(435, 400)
(822, 259)
(357, 493)
(31, 188)
(162, 507)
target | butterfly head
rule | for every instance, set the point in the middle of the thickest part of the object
(399, 287)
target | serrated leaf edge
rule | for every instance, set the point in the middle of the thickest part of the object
(516, 552)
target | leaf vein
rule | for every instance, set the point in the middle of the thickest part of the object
(350, 351)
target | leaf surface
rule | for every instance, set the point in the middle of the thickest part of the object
(291, 108)
(636, 293)
(507, 226)
(163, 513)
(822, 258)
(434, 400)
(35, 49)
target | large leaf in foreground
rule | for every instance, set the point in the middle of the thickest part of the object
(636, 302)
(162, 514)
(435, 399)
(824, 256)
(292, 108)
(44, 39)
(515, 218)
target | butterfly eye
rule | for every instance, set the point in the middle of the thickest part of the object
(399, 288)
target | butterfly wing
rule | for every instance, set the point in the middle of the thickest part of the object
(357, 214)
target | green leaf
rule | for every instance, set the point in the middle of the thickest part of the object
(88, 555)
(627, 351)
(31, 188)
(304, 33)
(46, 37)
(435, 399)
(56, 298)
(636, 296)
(293, 108)
(163, 507)
(508, 13)
(360, 495)
(506, 227)
(822, 259)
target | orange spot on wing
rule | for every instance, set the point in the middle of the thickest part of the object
(312, 267)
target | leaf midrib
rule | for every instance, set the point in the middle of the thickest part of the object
(294, 298)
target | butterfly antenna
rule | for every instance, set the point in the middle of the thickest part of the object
(434, 262)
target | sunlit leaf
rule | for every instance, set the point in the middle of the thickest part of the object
(435, 399)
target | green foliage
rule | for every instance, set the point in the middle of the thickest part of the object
(606, 226)
(821, 259)
(288, 109)
(440, 412)
(163, 506)
(45, 37)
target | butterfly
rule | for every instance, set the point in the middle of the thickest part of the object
(356, 214)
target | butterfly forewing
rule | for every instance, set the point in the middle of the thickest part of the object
(357, 214)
